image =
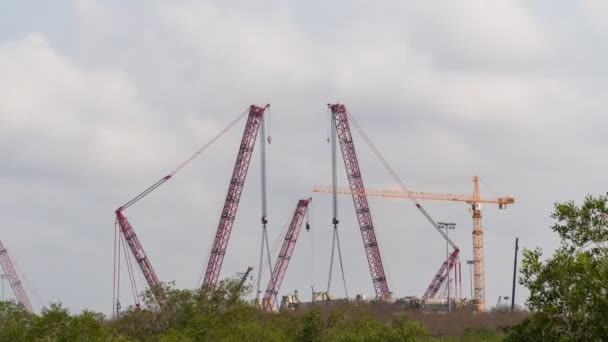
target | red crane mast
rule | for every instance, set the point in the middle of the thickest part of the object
(364, 217)
(140, 255)
(233, 197)
(13, 279)
(441, 275)
(289, 243)
(131, 239)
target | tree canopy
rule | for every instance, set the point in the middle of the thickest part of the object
(569, 290)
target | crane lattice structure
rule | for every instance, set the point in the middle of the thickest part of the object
(364, 217)
(13, 279)
(474, 200)
(125, 234)
(233, 197)
(289, 243)
(453, 263)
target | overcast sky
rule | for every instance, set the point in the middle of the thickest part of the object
(99, 99)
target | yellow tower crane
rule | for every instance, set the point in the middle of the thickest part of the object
(474, 200)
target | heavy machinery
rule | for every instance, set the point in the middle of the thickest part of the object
(474, 200)
(442, 275)
(125, 235)
(237, 290)
(13, 279)
(233, 197)
(289, 243)
(341, 133)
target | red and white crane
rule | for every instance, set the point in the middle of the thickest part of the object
(440, 278)
(359, 195)
(233, 197)
(289, 243)
(125, 234)
(13, 279)
(341, 128)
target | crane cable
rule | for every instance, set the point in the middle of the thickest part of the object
(184, 163)
(396, 177)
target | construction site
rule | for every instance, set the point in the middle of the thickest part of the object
(443, 293)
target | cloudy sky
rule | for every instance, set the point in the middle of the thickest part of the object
(99, 99)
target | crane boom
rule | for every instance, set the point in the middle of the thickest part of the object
(398, 193)
(13, 279)
(233, 197)
(441, 275)
(140, 256)
(289, 243)
(364, 217)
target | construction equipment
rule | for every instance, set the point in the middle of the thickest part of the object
(237, 291)
(474, 200)
(13, 279)
(441, 276)
(125, 234)
(233, 197)
(289, 243)
(128, 233)
(353, 173)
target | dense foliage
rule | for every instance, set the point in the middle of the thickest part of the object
(218, 316)
(569, 291)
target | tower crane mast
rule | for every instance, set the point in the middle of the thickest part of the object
(233, 197)
(13, 279)
(289, 243)
(353, 173)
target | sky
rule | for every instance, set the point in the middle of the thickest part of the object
(99, 99)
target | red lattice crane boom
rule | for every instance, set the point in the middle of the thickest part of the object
(127, 233)
(289, 243)
(441, 275)
(233, 197)
(364, 217)
(13, 279)
(140, 255)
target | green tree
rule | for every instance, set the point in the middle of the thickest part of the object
(569, 291)
(15, 322)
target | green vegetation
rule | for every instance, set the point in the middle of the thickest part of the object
(568, 302)
(191, 316)
(569, 291)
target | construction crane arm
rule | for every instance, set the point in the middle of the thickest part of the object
(398, 193)
(355, 180)
(233, 197)
(13, 279)
(379, 192)
(441, 275)
(140, 256)
(289, 243)
(129, 233)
